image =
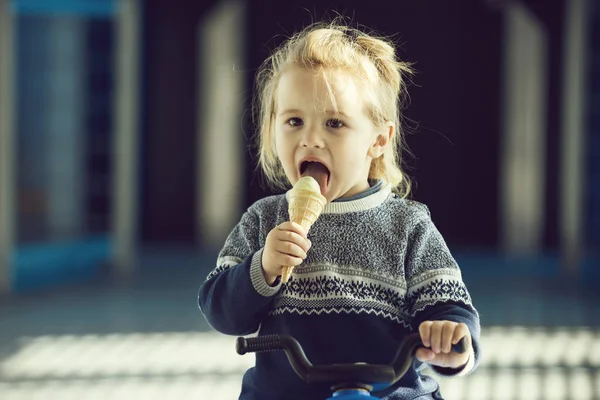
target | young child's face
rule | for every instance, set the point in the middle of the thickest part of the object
(307, 126)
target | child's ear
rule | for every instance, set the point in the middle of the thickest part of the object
(382, 140)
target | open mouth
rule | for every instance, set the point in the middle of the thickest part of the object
(318, 171)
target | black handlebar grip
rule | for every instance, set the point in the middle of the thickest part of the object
(460, 347)
(260, 343)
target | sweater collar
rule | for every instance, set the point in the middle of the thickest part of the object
(362, 204)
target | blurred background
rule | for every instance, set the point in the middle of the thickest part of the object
(125, 160)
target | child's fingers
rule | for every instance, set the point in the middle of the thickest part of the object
(290, 249)
(425, 333)
(293, 236)
(436, 337)
(460, 332)
(422, 354)
(439, 336)
(289, 261)
(448, 330)
(285, 237)
(294, 227)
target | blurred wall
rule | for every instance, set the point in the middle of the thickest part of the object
(454, 119)
(169, 120)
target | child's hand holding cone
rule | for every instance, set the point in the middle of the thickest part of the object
(286, 245)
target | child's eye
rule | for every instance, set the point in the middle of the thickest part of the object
(295, 122)
(335, 123)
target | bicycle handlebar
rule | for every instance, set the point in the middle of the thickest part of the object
(336, 373)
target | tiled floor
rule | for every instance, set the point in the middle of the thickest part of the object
(147, 339)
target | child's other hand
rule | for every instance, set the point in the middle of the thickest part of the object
(286, 245)
(439, 336)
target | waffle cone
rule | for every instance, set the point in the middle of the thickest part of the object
(304, 208)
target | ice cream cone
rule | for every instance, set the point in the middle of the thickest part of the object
(305, 206)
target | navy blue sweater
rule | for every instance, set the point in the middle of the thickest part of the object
(376, 269)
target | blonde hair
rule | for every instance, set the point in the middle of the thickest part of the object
(337, 46)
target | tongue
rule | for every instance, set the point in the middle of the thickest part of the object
(320, 174)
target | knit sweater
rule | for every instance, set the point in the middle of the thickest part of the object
(377, 268)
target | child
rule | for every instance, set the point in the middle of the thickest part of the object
(374, 267)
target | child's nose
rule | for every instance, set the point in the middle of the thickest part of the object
(312, 138)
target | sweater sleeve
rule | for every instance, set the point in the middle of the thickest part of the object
(235, 296)
(435, 289)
